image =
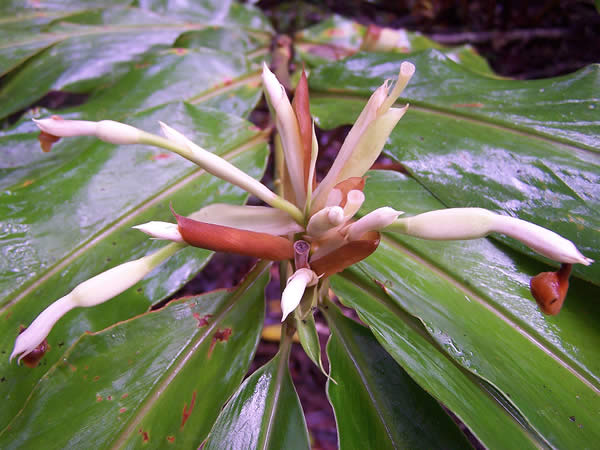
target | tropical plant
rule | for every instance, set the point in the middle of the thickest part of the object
(450, 322)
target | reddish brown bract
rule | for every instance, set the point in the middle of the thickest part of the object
(345, 256)
(232, 240)
(549, 289)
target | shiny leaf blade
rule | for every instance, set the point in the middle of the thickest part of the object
(488, 343)
(264, 413)
(144, 381)
(39, 268)
(377, 404)
(498, 274)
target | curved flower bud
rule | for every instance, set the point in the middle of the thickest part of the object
(296, 285)
(91, 292)
(374, 221)
(324, 220)
(473, 223)
(366, 138)
(106, 130)
(354, 201)
(163, 231)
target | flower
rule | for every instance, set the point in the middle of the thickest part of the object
(321, 221)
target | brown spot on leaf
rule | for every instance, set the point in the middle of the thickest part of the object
(219, 336)
(170, 439)
(179, 51)
(122, 410)
(159, 156)
(185, 415)
(124, 395)
(109, 397)
(202, 320)
(96, 378)
(98, 398)
(227, 82)
(27, 183)
(145, 435)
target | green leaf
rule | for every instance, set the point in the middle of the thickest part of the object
(377, 404)
(472, 298)
(221, 80)
(527, 148)
(309, 339)
(69, 219)
(499, 275)
(90, 49)
(159, 379)
(474, 402)
(264, 413)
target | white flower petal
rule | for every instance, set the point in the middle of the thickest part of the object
(161, 230)
(374, 221)
(473, 223)
(296, 285)
(261, 219)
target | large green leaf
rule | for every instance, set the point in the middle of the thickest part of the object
(67, 221)
(265, 412)
(473, 300)
(91, 48)
(377, 404)
(158, 380)
(528, 148)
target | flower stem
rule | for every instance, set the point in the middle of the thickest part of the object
(226, 171)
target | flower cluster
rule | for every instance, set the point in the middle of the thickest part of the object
(311, 226)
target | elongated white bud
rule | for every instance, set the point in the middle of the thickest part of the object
(296, 285)
(287, 127)
(218, 166)
(354, 201)
(542, 240)
(91, 292)
(407, 70)
(161, 230)
(367, 115)
(473, 223)
(325, 220)
(374, 221)
(106, 130)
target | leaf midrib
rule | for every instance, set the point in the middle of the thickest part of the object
(495, 123)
